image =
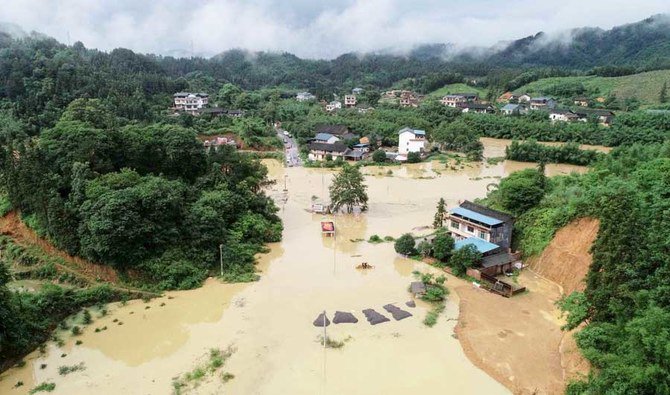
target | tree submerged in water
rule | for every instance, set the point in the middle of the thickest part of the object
(348, 190)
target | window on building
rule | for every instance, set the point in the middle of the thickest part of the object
(454, 225)
(471, 229)
(482, 235)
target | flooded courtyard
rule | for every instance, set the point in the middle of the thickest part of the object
(269, 323)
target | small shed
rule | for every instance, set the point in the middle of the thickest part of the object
(417, 288)
(328, 228)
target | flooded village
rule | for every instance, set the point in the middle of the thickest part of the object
(482, 342)
(350, 197)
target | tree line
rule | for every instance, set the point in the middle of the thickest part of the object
(142, 197)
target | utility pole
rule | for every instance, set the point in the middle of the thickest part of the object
(221, 257)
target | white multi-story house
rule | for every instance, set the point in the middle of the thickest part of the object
(305, 96)
(333, 106)
(350, 100)
(189, 102)
(563, 116)
(457, 98)
(411, 140)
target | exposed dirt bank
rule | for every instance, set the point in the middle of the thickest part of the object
(515, 340)
(567, 258)
(12, 226)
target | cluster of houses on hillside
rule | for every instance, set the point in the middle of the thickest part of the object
(198, 104)
(403, 98)
(337, 141)
(467, 102)
(350, 101)
(521, 104)
(512, 104)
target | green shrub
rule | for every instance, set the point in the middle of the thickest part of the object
(405, 244)
(375, 239)
(43, 387)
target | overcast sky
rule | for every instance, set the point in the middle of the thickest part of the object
(310, 28)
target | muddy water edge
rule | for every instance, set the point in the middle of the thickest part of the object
(269, 323)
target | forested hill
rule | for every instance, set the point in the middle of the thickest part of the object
(39, 76)
(645, 44)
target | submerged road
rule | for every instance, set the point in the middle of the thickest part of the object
(291, 153)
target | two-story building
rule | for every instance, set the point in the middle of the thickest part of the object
(350, 101)
(524, 98)
(477, 108)
(304, 96)
(455, 99)
(542, 103)
(488, 231)
(190, 103)
(411, 140)
(557, 115)
(321, 151)
(474, 220)
(333, 106)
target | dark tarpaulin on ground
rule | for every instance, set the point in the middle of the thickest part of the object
(343, 317)
(411, 303)
(374, 317)
(319, 320)
(397, 313)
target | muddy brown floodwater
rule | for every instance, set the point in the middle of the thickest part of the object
(270, 322)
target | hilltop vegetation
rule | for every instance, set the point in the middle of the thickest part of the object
(644, 44)
(645, 87)
(458, 88)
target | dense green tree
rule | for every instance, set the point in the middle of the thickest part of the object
(405, 244)
(425, 248)
(440, 212)
(127, 218)
(464, 258)
(413, 157)
(443, 246)
(521, 191)
(379, 156)
(348, 190)
(663, 95)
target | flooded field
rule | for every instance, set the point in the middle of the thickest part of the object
(496, 147)
(269, 323)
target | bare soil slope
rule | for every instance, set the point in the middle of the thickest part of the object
(12, 226)
(567, 258)
(519, 340)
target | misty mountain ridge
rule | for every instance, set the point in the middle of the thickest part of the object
(643, 44)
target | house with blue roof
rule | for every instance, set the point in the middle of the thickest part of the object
(326, 138)
(487, 230)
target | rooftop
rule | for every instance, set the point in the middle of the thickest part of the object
(464, 212)
(337, 147)
(478, 208)
(499, 259)
(511, 107)
(336, 130)
(415, 131)
(323, 136)
(481, 245)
